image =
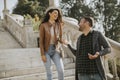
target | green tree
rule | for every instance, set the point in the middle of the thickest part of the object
(109, 13)
(76, 8)
(43, 3)
(30, 7)
(21, 7)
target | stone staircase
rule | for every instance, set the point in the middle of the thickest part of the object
(26, 64)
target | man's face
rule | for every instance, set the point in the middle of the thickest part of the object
(82, 24)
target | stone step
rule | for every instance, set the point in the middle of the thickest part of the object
(18, 72)
(42, 76)
(68, 78)
(26, 58)
(12, 64)
(24, 61)
(21, 53)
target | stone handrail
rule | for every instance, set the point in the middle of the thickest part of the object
(114, 58)
(22, 33)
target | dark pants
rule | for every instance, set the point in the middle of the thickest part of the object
(89, 77)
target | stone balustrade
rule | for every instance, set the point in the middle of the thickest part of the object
(114, 58)
(23, 33)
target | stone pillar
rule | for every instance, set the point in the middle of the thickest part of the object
(54, 3)
(5, 11)
(29, 34)
(5, 6)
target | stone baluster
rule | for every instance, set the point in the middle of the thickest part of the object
(29, 33)
(114, 69)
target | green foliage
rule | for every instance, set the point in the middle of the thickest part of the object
(36, 22)
(44, 3)
(111, 16)
(30, 7)
(76, 9)
(27, 16)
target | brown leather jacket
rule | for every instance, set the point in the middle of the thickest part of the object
(45, 36)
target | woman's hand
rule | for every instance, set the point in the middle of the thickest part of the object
(44, 58)
(65, 42)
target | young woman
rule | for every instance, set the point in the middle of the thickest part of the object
(50, 35)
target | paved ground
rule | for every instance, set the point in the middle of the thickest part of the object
(6, 40)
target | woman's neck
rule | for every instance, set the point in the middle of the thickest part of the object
(51, 21)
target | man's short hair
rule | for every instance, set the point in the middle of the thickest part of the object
(90, 20)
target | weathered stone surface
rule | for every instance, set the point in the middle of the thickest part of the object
(26, 64)
(6, 40)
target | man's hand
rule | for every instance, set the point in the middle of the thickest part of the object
(93, 56)
(44, 58)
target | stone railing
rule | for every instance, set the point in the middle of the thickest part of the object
(114, 59)
(23, 33)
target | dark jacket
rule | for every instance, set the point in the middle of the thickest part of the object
(99, 43)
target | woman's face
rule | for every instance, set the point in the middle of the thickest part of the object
(54, 15)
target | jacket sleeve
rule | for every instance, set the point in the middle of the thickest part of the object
(72, 50)
(105, 44)
(42, 35)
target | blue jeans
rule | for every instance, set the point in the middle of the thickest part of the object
(53, 55)
(89, 77)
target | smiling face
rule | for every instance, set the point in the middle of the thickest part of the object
(54, 15)
(82, 24)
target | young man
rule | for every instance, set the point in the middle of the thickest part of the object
(91, 45)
